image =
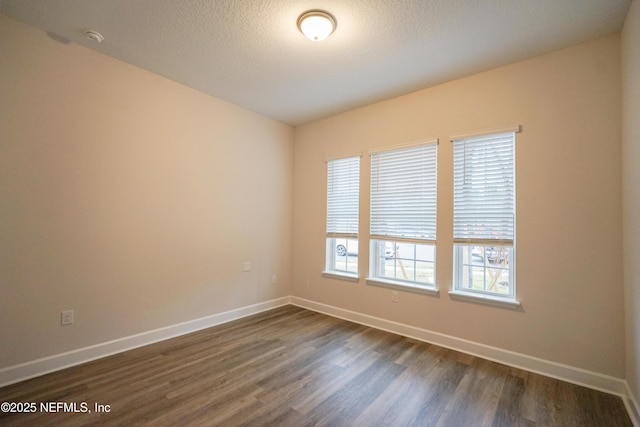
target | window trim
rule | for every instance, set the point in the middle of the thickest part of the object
(411, 144)
(402, 286)
(340, 275)
(484, 132)
(485, 299)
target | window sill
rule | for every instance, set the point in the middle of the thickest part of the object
(403, 286)
(485, 299)
(341, 276)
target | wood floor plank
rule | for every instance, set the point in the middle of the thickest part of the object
(509, 413)
(294, 367)
(477, 395)
(415, 396)
(327, 386)
(343, 406)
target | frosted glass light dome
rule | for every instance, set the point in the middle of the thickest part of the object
(316, 25)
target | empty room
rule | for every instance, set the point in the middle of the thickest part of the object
(305, 213)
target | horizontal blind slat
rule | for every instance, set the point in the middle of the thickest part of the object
(343, 186)
(403, 193)
(484, 188)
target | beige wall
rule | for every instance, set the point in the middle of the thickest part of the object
(569, 243)
(129, 198)
(631, 190)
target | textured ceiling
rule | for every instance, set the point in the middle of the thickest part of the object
(250, 53)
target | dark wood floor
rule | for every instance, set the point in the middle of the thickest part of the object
(294, 367)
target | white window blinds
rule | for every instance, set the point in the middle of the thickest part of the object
(403, 193)
(343, 186)
(484, 189)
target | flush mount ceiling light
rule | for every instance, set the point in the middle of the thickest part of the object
(317, 25)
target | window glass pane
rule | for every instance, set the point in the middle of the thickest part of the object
(425, 272)
(404, 262)
(343, 255)
(485, 269)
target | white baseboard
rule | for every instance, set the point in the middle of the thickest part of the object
(547, 368)
(35, 368)
(631, 403)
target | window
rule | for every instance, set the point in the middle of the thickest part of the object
(343, 187)
(484, 215)
(403, 217)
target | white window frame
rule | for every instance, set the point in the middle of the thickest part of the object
(474, 230)
(342, 215)
(415, 223)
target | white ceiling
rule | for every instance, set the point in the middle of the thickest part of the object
(250, 53)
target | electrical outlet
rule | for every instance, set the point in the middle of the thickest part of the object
(246, 266)
(66, 317)
(273, 279)
(394, 296)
